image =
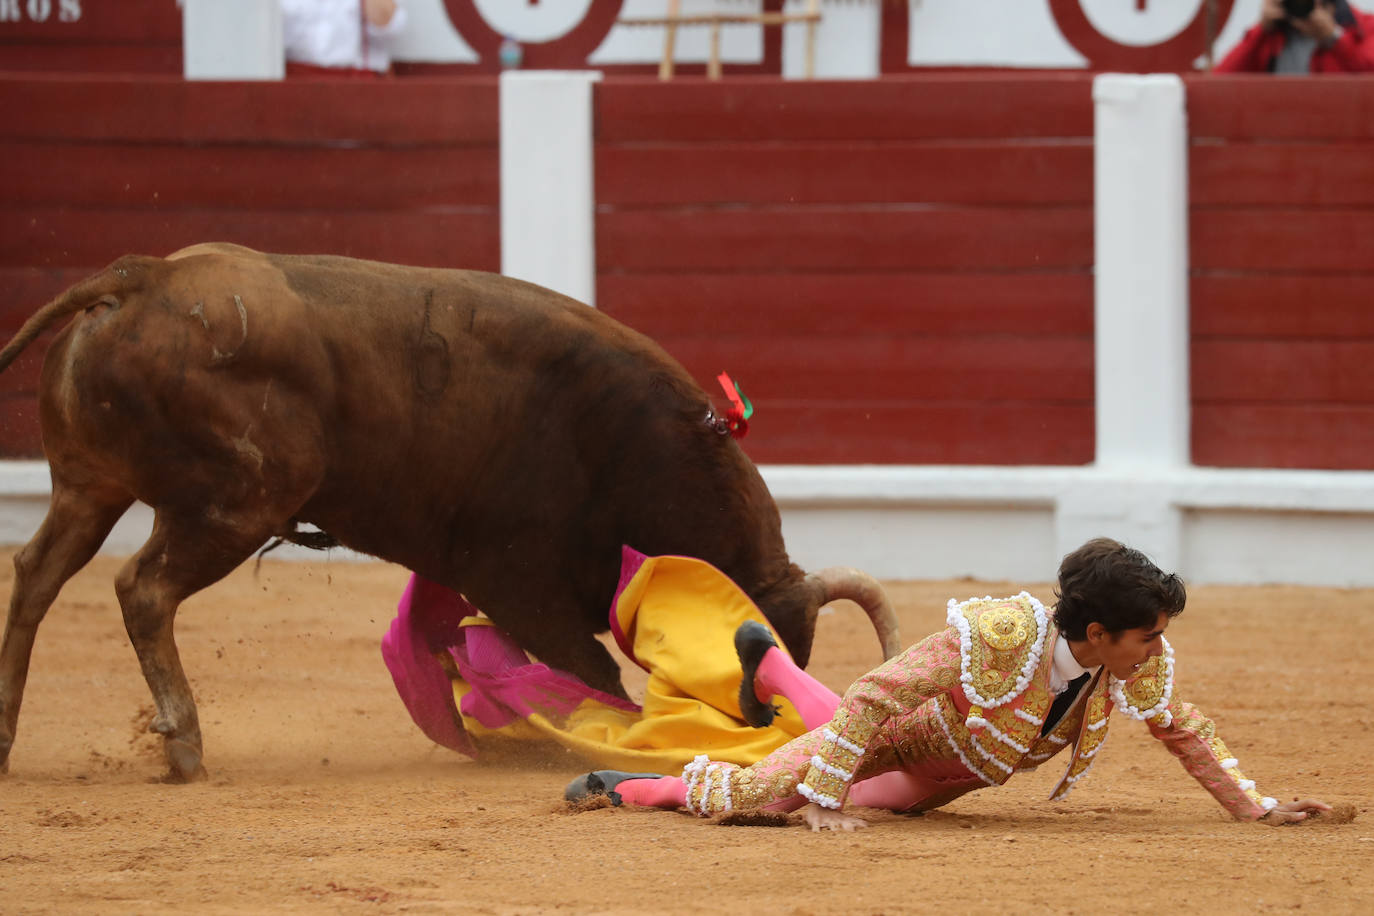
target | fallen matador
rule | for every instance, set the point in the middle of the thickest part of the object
(1004, 688)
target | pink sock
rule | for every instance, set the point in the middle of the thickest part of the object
(895, 790)
(663, 792)
(778, 674)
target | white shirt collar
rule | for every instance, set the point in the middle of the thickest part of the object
(1065, 667)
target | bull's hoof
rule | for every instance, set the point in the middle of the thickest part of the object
(184, 759)
(752, 641)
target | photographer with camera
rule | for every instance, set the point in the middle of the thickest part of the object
(1305, 36)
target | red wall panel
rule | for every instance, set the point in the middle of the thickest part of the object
(964, 171)
(92, 36)
(1050, 303)
(70, 237)
(97, 167)
(963, 106)
(1258, 108)
(895, 271)
(1281, 185)
(859, 238)
(325, 113)
(236, 176)
(1280, 305)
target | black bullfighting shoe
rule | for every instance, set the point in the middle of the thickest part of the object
(752, 640)
(601, 782)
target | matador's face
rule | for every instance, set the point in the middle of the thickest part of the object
(1123, 653)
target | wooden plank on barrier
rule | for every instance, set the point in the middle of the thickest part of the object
(974, 172)
(88, 58)
(1335, 107)
(1283, 371)
(68, 237)
(19, 433)
(765, 303)
(21, 376)
(821, 238)
(883, 368)
(953, 433)
(1288, 239)
(1282, 174)
(242, 177)
(383, 112)
(1283, 305)
(928, 107)
(1335, 437)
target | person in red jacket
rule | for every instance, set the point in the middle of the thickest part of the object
(1305, 36)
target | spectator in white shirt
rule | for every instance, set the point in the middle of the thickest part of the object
(343, 35)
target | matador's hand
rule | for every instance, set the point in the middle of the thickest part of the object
(828, 819)
(1294, 811)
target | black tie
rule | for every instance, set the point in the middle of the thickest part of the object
(1062, 703)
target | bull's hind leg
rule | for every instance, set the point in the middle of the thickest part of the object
(75, 527)
(183, 556)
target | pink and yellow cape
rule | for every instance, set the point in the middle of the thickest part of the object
(469, 687)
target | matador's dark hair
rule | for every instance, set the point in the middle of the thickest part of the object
(1106, 582)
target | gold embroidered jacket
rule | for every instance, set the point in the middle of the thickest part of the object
(965, 707)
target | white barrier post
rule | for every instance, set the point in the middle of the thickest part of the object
(847, 41)
(547, 203)
(232, 40)
(1140, 213)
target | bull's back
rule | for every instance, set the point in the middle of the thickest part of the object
(494, 435)
(490, 434)
(190, 361)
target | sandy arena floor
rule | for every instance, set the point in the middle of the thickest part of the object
(323, 797)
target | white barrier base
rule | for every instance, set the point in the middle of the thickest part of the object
(1211, 525)
(995, 523)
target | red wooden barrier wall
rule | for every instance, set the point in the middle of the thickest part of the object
(1281, 179)
(397, 170)
(896, 271)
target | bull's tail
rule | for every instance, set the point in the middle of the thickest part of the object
(121, 277)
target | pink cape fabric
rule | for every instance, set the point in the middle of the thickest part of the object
(505, 684)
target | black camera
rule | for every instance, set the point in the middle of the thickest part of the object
(1301, 9)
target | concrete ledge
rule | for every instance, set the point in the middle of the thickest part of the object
(1322, 491)
(1213, 525)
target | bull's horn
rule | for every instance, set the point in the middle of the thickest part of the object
(861, 588)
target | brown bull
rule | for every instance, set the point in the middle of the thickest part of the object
(493, 436)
